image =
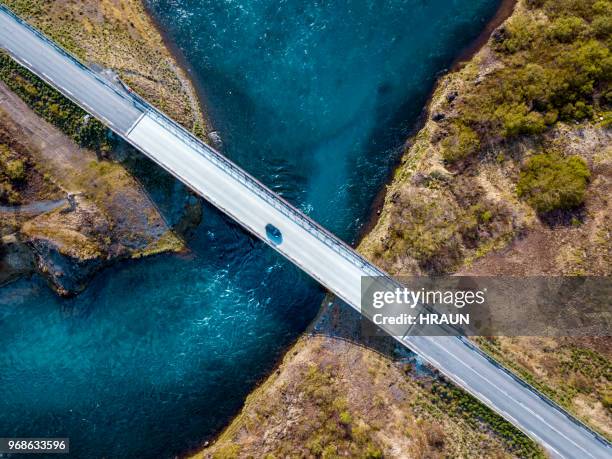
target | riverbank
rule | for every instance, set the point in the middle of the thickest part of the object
(506, 8)
(122, 37)
(109, 214)
(504, 11)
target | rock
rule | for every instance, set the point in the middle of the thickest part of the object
(438, 116)
(499, 34)
(67, 275)
(70, 244)
(15, 259)
(395, 197)
(418, 179)
(451, 96)
(215, 138)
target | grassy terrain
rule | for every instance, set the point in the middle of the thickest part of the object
(21, 181)
(576, 373)
(12, 174)
(495, 160)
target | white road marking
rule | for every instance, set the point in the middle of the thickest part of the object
(529, 410)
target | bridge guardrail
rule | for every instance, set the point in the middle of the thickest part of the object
(221, 161)
(268, 195)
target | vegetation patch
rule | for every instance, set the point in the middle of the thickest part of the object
(549, 182)
(556, 65)
(564, 369)
(12, 175)
(459, 403)
(305, 410)
(54, 107)
(462, 143)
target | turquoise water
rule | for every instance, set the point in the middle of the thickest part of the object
(315, 100)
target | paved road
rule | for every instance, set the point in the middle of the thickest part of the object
(95, 98)
(317, 252)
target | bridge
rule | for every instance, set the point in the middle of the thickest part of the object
(306, 244)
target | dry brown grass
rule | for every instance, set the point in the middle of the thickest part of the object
(575, 372)
(330, 398)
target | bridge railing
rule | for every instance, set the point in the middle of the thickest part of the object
(263, 192)
(216, 158)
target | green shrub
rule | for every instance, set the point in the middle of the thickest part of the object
(602, 26)
(460, 143)
(607, 401)
(518, 120)
(578, 111)
(373, 453)
(485, 216)
(585, 9)
(566, 29)
(602, 7)
(230, 451)
(517, 35)
(15, 170)
(7, 194)
(584, 64)
(345, 418)
(330, 452)
(549, 182)
(12, 169)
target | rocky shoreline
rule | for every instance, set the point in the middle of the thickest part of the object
(503, 12)
(455, 205)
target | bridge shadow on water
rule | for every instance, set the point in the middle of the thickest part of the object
(170, 197)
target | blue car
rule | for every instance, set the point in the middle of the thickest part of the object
(274, 234)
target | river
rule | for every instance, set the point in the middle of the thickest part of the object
(315, 99)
